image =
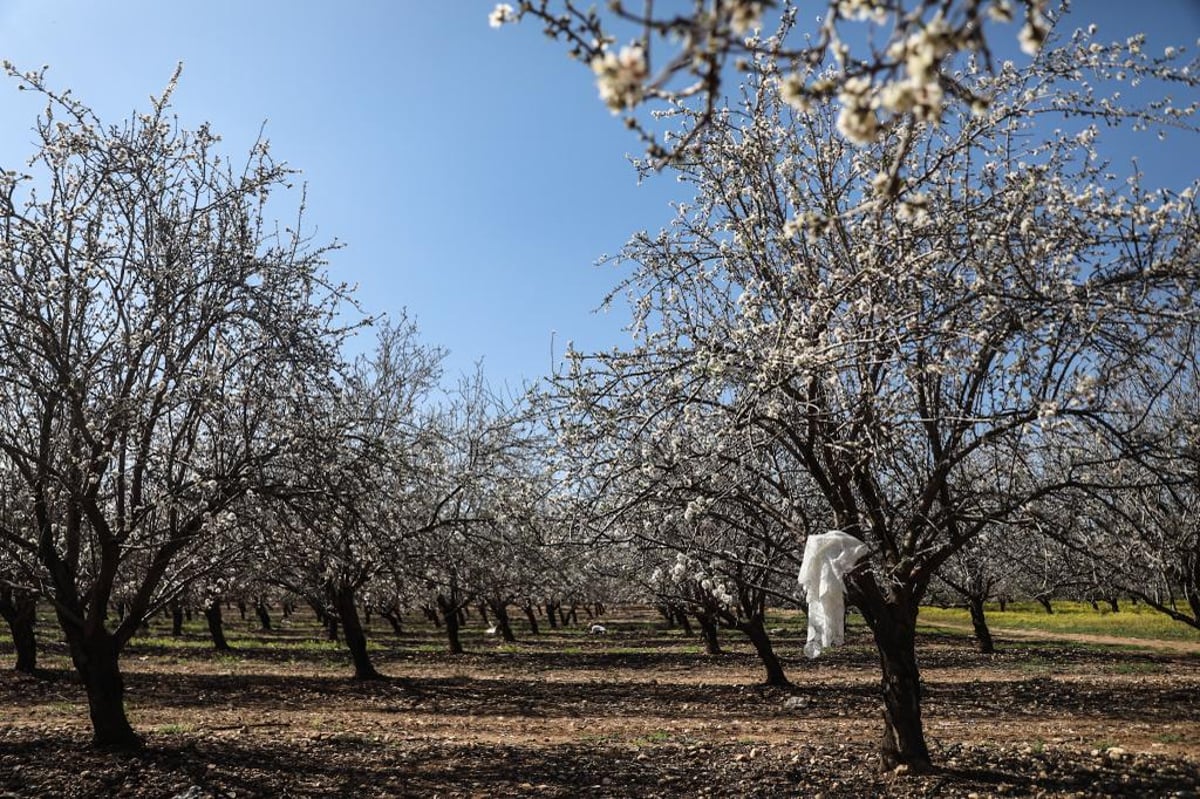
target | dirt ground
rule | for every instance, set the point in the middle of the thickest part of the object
(638, 712)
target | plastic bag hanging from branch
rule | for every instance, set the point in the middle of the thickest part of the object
(827, 559)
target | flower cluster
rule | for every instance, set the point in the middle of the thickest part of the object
(745, 14)
(620, 76)
(501, 14)
(857, 120)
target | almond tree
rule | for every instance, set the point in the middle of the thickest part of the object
(20, 583)
(900, 316)
(157, 338)
(1144, 539)
(359, 485)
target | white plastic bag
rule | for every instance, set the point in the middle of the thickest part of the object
(827, 559)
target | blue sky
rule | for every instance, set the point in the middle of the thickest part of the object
(472, 173)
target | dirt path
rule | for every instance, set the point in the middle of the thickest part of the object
(1185, 647)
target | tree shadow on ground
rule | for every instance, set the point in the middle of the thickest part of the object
(64, 765)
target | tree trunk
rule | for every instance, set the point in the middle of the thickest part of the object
(757, 633)
(432, 614)
(264, 616)
(356, 639)
(176, 619)
(393, 618)
(503, 623)
(893, 622)
(241, 606)
(1044, 601)
(684, 622)
(1113, 604)
(19, 609)
(212, 612)
(983, 636)
(550, 615)
(533, 622)
(96, 658)
(450, 613)
(331, 626)
(708, 631)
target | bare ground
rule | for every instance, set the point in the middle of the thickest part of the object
(634, 713)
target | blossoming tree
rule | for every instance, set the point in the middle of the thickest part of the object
(925, 325)
(156, 338)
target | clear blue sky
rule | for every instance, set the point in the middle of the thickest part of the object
(472, 173)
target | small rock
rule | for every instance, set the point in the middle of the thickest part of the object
(192, 792)
(795, 703)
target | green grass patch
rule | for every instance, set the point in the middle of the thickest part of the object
(1133, 621)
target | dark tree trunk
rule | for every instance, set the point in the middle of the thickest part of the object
(503, 623)
(264, 616)
(331, 627)
(1114, 605)
(893, 621)
(96, 658)
(574, 616)
(216, 628)
(176, 619)
(1003, 600)
(562, 616)
(483, 613)
(432, 614)
(187, 612)
(550, 615)
(393, 618)
(684, 621)
(533, 622)
(450, 613)
(19, 609)
(318, 610)
(983, 636)
(668, 615)
(708, 631)
(241, 606)
(1044, 601)
(356, 639)
(757, 633)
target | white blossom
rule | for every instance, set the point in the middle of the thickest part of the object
(502, 13)
(620, 76)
